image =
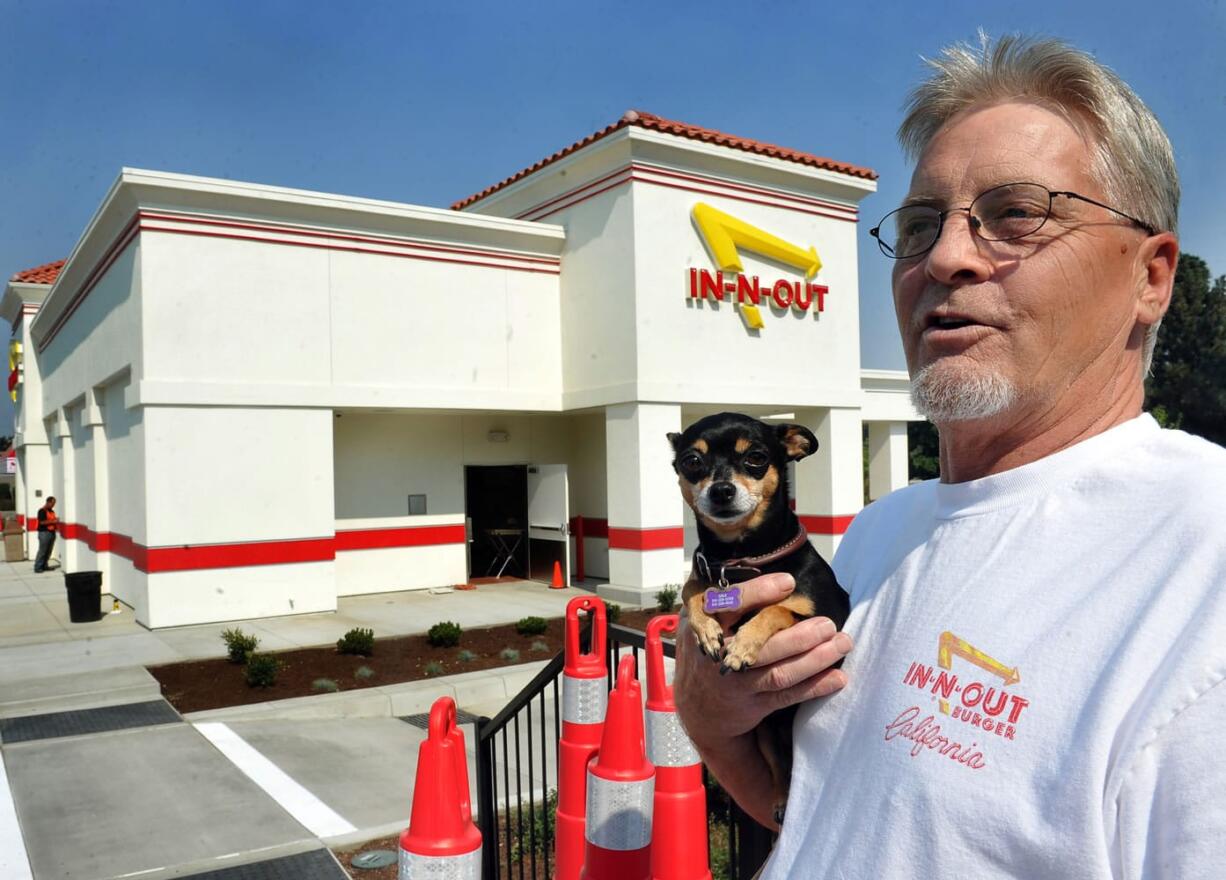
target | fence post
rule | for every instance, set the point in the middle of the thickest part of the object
(487, 813)
(754, 842)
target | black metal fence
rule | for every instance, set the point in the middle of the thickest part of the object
(517, 825)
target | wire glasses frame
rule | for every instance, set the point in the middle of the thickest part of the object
(1003, 213)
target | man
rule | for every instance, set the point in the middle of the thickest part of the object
(46, 534)
(1037, 685)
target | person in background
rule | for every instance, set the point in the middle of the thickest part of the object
(47, 523)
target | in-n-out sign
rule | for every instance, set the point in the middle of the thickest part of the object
(725, 235)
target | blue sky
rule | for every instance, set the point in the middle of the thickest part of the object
(422, 104)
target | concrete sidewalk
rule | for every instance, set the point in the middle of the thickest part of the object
(226, 788)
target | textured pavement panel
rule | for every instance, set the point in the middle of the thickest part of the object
(136, 802)
(82, 721)
(422, 719)
(315, 865)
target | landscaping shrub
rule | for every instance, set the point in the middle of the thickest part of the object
(444, 634)
(357, 641)
(538, 645)
(262, 670)
(542, 829)
(666, 599)
(612, 611)
(434, 668)
(466, 656)
(509, 654)
(531, 626)
(239, 645)
(364, 673)
(325, 685)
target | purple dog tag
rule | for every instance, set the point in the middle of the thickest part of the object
(714, 600)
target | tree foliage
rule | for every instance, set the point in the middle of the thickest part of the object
(1187, 386)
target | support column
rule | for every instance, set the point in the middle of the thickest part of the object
(889, 465)
(66, 490)
(829, 488)
(645, 524)
(94, 420)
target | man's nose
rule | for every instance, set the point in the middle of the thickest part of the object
(958, 254)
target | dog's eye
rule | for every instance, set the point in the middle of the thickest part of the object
(691, 462)
(756, 459)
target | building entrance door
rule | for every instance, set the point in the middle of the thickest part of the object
(548, 521)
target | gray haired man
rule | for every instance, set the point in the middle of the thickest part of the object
(1037, 685)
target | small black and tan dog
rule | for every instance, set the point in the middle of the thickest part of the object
(732, 471)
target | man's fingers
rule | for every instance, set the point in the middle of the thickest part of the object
(765, 589)
(795, 668)
(796, 639)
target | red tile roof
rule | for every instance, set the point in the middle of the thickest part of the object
(668, 126)
(44, 274)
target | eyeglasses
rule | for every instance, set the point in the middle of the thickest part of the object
(1003, 213)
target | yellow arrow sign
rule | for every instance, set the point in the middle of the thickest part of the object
(724, 234)
(950, 644)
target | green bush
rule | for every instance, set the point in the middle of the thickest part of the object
(444, 634)
(612, 611)
(538, 645)
(358, 641)
(541, 832)
(325, 685)
(666, 599)
(509, 654)
(262, 670)
(466, 656)
(239, 645)
(364, 673)
(434, 668)
(531, 626)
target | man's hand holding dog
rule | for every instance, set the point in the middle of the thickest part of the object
(719, 712)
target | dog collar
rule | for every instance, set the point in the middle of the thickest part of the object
(745, 563)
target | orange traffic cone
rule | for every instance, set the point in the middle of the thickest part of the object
(584, 696)
(441, 839)
(679, 848)
(620, 785)
(556, 583)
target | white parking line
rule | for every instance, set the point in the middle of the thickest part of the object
(318, 818)
(14, 862)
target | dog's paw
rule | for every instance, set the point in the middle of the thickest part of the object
(710, 636)
(741, 654)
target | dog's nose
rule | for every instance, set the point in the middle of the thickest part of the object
(722, 493)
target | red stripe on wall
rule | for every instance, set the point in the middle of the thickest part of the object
(826, 525)
(201, 557)
(646, 539)
(162, 559)
(409, 536)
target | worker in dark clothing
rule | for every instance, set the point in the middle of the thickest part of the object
(47, 523)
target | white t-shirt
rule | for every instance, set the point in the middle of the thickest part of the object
(1037, 685)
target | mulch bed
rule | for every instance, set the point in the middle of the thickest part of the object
(213, 684)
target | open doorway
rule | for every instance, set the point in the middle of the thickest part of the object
(496, 503)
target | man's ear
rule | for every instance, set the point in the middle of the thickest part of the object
(798, 441)
(1158, 258)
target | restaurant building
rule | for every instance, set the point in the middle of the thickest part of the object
(251, 400)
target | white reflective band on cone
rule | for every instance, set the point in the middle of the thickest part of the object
(619, 813)
(667, 742)
(462, 867)
(584, 699)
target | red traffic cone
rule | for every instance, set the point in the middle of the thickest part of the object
(441, 839)
(584, 697)
(556, 583)
(620, 784)
(679, 849)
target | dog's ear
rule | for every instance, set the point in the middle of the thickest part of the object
(798, 441)
(674, 438)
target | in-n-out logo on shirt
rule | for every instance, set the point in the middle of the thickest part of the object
(984, 707)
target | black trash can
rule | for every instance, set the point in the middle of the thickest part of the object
(84, 596)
